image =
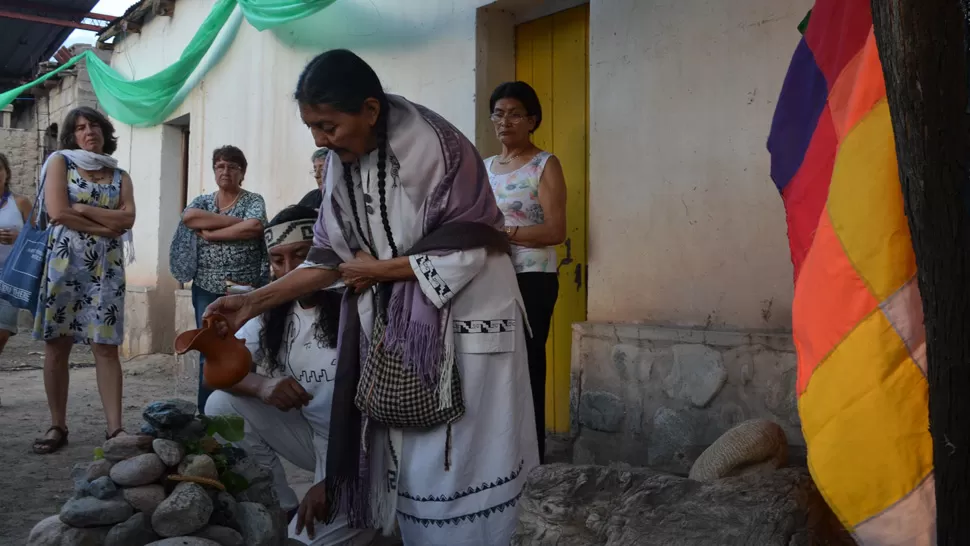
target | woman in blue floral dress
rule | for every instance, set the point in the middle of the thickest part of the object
(82, 295)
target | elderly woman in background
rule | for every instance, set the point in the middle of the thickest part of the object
(14, 211)
(91, 205)
(531, 191)
(319, 159)
(315, 197)
(229, 253)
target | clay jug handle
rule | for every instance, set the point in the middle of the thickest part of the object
(211, 321)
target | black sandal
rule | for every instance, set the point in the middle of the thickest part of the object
(46, 446)
(109, 436)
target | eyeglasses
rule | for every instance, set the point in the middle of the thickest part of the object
(511, 118)
(227, 167)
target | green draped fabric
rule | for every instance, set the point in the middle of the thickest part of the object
(266, 14)
(149, 101)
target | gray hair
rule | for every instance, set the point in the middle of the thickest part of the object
(321, 153)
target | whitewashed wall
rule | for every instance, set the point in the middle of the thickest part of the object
(685, 225)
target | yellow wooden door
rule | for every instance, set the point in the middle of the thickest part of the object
(552, 55)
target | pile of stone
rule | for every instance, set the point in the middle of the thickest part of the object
(172, 484)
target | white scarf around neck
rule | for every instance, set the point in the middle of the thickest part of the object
(89, 161)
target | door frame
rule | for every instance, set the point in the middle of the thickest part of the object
(496, 29)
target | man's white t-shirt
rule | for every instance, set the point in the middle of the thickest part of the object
(309, 361)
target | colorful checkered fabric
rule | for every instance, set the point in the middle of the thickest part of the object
(857, 318)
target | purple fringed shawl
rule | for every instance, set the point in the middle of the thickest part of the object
(463, 197)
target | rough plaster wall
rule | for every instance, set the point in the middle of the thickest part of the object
(685, 226)
(20, 147)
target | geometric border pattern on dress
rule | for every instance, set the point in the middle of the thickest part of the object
(468, 492)
(496, 326)
(467, 518)
(426, 268)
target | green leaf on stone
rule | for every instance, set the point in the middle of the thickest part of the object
(98, 454)
(230, 427)
(234, 483)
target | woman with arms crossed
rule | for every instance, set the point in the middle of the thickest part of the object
(91, 205)
(220, 239)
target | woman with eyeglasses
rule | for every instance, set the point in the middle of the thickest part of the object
(219, 244)
(529, 186)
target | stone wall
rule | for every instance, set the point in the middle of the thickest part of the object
(20, 147)
(653, 396)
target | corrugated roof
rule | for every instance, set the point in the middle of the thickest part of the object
(24, 44)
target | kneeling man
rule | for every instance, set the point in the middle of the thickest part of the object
(286, 404)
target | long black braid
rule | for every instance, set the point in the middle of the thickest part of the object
(349, 179)
(382, 178)
(381, 186)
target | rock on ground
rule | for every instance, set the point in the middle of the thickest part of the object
(92, 512)
(566, 505)
(136, 531)
(126, 447)
(262, 489)
(102, 488)
(225, 511)
(54, 532)
(223, 535)
(169, 451)
(91, 471)
(140, 470)
(170, 414)
(145, 498)
(200, 466)
(258, 526)
(184, 512)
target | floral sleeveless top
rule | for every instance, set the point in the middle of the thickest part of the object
(517, 194)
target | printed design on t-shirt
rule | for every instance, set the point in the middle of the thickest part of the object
(295, 326)
(318, 376)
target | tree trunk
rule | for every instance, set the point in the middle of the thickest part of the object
(923, 48)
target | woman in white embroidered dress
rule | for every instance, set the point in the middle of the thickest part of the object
(399, 176)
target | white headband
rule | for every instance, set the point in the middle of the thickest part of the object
(296, 231)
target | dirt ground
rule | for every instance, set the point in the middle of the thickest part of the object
(33, 487)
